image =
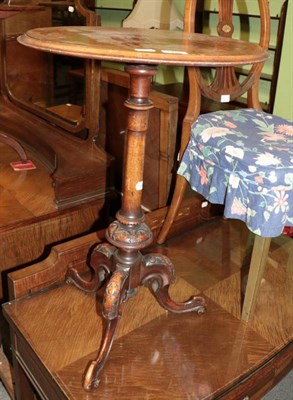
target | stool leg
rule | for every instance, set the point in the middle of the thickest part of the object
(192, 113)
(258, 260)
(177, 198)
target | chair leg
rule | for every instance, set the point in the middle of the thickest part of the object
(258, 260)
(180, 188)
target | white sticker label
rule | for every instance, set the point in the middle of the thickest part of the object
(173, 52)
(146, 50)
(199, 240)
(139, 185)
(225, 98)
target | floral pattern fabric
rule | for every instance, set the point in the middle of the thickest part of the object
(244, 159)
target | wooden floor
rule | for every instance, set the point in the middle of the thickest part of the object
(160, 356)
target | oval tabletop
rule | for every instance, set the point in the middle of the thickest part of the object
(144, 46)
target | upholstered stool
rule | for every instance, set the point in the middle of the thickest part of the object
(244, 160)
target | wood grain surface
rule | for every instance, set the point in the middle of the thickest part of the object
(144, 46)
(159, 355)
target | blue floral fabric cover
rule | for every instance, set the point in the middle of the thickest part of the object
(244, 159)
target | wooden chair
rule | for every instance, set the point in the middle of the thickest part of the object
(224, 88)
(240, 158)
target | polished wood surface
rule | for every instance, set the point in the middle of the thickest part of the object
(30, 223)
(29, 219)
(216, 355)
(144, 46)
(81, 171)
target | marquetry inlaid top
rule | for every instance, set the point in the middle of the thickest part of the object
(144, 46)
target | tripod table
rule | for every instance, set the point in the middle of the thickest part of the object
(119, 263)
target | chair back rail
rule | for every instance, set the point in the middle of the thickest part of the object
(226, 81)
(225, 86)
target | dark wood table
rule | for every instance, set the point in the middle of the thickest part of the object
(119, 263)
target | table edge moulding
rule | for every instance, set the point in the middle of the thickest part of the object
(172, 48)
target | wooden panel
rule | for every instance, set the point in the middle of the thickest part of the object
(23, 21)
(29, 80)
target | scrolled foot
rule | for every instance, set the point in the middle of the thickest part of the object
(158, 265)
(158, 275)
(194, 304)
(112, 308)
(101, 264)
(91, 376)
(89, 382)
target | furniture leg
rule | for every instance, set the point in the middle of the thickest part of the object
(112, 308)
(158, 274)
(257, 264)
(192, 113)
(179, 192)
(101, 264)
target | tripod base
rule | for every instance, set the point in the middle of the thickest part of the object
(122, 281)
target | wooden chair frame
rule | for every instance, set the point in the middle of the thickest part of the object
(225, 83)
